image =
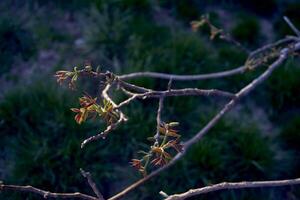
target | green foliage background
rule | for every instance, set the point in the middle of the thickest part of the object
(40, 141)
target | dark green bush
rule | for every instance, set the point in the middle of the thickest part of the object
(243, 148)
(39, 130)
(263, 8)
(247, 30)
(141, 6)
(186, 10)
(283, 87)
(291, 134)
(15, 43)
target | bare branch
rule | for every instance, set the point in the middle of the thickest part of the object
(187, 92)
(233, 185)
(46, 194)
(175, 77)
(158, 117)
(88, 176)
(104, 133)
(267, 47)
(106, 96)
(174, 92)
(127, 101)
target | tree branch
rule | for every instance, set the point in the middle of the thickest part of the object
(291, 25)
(104, 133)
(158, 117)
(233, 185)
(175, 77)
(88, 176)
(46, 194)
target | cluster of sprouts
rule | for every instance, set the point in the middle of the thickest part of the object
(165, 141)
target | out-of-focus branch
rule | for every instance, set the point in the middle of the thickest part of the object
(291, 25)
(46, 194)
(233, 185)
(93, 185)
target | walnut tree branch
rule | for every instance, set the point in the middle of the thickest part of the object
(291, 25)
(46, 194)
(233, 185)
(88, 176)
(104, 133)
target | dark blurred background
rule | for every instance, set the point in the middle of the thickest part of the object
(40, 141)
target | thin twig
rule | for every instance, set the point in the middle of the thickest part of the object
(158, 117)
(187, 92)
(173, 93)
(106, 96)
(46, 194)
(175, 77)
(93, 185)
(291, 25)
(104, 133)
(127, 101)
(267, 47)
(233, 185)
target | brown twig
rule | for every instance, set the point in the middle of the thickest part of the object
(233, 185)
(186, 92)
(46, 194)
(158, 117)
(291, 25)
(104, 133)
(175, 77)
(173, 93)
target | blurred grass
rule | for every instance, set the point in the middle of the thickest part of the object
(15, 43)
(247, 30)
(41, 141)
